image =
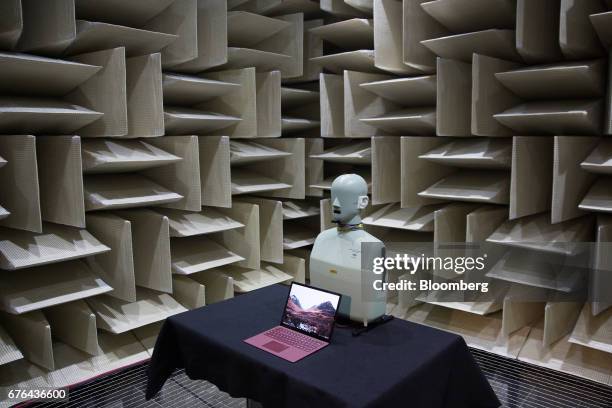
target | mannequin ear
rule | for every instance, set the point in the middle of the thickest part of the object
(362, 202)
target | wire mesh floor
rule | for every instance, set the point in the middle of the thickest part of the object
(517, 384)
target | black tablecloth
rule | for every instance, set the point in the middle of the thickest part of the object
(399, 364)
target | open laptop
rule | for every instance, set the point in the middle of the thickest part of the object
(306, 325)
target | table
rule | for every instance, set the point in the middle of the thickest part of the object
(399, 364)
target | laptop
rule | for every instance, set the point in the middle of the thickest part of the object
(306, 325)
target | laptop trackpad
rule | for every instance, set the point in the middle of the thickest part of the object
(275, 346)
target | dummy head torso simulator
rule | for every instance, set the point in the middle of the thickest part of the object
(339, 262)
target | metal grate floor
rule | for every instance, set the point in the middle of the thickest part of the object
(517, 384)
(522, 385)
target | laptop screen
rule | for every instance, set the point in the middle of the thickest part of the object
(311, 311)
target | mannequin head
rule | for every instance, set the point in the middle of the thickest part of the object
(349, 195)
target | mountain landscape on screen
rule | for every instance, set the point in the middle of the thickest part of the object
(317, 319)
(296, 301)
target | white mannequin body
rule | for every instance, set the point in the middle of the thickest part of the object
(335, 264)
(336, 258)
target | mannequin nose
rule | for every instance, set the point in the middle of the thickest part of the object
(336, 206)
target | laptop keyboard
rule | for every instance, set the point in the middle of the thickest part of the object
(295, 339)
